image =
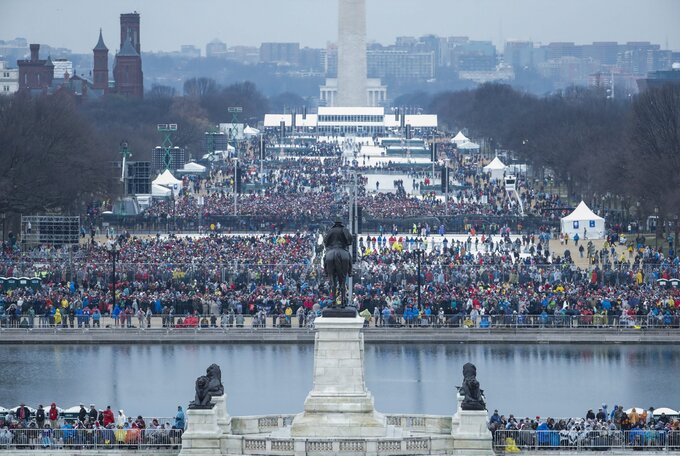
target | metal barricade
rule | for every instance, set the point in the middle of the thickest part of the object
(81, 439)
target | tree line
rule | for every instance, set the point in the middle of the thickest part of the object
(627, 150)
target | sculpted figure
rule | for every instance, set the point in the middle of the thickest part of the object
(214, 374)
(207, 386)
(474, 396)
(337, 261)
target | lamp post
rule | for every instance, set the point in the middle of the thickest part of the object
(235, 186)
(656, 226)
(113, 249)
(445, 175)
(4, 218)
(419, 254)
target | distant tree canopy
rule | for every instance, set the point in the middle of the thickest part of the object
(50, 159)
(627, 148)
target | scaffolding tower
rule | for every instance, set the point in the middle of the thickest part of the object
(57, 230)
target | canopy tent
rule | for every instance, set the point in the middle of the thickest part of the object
(250, 131)
(468, 145)
(193, 168)
(460, 138)
(30, 409)
(159, 191)
(584, 222)
(666, 410)
(496, 169)
(166, 179)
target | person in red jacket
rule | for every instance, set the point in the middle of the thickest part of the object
(108, 417)
(54, 416)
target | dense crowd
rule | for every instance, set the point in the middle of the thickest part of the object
(213, 281)
(52, 427)
(316, 188)
(601, 430)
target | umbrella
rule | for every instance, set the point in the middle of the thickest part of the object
(666, 410)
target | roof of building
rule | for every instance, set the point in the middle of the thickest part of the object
(100, 44)
(128, 49)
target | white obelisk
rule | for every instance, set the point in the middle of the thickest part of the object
(352, 69)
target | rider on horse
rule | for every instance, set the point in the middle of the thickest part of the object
(338, 262)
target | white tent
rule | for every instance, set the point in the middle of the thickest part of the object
(159, 191)
(469, 145)
(585, 222)
(496, 169)
(460, 138)
(193, 168)
(250, 131)
(666, 410)
(166, 179)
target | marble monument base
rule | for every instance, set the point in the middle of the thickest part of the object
(203, 435)
(339, 404)
(471, 437)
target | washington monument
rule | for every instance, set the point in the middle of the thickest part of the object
(352, 70)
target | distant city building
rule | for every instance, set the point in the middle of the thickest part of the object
(659, 78)
(100, 70)
(62, 67)
(127, 68)
(400, 64)
(216, 49)
(9, 79)
(35, 74)
(351, 120)
(519, 54)
(313, 60)
(190, 51)
(249, 55)
(280, 53)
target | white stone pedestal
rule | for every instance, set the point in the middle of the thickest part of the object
(339, 404)
(471, 437)
(203, 435)
(223, 418)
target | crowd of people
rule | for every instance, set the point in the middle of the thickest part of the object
(314, 186)
(598, 431)
(216, 281)
(52, 427)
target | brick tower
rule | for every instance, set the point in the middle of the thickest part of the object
(127, 69)
(100, 72)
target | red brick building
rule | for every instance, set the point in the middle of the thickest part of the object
(127, 68)
(35, 74)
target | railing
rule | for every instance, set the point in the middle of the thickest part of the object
(395, 322)
(637, 439)
(81, 439)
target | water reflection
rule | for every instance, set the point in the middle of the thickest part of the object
(528, 380)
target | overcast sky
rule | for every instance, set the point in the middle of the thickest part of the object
(167, 24)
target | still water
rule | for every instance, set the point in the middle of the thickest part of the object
(527, 380)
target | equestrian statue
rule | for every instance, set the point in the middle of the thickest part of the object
(337, 261)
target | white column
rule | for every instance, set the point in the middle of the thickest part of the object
(352, 67)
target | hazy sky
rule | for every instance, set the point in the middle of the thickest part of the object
(167, 24)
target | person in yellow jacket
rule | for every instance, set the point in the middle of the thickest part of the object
(57, 317)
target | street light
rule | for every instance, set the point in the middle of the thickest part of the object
(4, 217)
(419, 254)
(113, 249)
(235, 186)
(656, 226)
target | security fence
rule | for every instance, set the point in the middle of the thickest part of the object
(88, 439)
(511, 441)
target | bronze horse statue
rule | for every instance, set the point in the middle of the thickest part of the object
(337, 261)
